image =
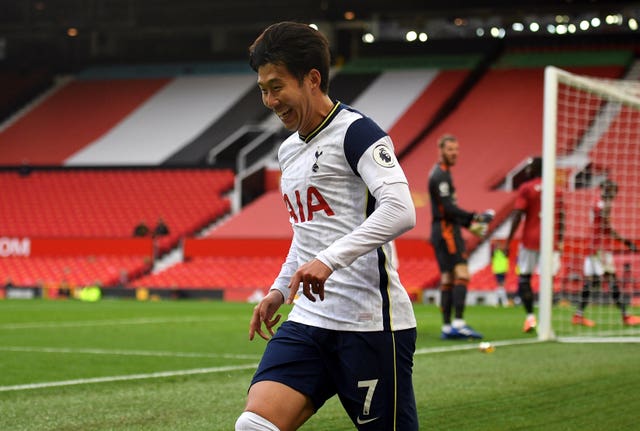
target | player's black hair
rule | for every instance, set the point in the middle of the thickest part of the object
(295, 46)
(609, 184)
(534, 167)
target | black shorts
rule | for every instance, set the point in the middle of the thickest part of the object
(370, 371)
(448, 246)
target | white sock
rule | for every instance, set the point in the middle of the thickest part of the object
(458, 323)
(249, 421)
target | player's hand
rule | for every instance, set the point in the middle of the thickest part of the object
(263, 313)
(312, 276)
(485, 217)
(478, 229)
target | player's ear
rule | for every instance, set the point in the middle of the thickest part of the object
(314, 77)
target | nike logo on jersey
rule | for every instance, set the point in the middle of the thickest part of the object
(365, 421)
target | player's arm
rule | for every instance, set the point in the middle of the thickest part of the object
(440, 187)
(288, 268)
(477, 223)
(394, 213)
(516, 218)
(369, 152)
(630, 244)
(517, 214)
(393, 216)
(264, 312)
(615, 235)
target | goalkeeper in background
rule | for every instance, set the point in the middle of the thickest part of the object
(528, 206)
(446, 238)
(598, 264)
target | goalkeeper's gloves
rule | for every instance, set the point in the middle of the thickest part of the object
(484, 217)
(478, 229)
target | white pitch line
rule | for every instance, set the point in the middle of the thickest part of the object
(472, 345)
(75, 324)
(127, 377)
(581, 339)
(120, 352)
(419, 352)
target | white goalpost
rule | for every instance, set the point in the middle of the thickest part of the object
(591, 146)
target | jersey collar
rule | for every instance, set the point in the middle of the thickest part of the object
(323, 124)
(444, 166)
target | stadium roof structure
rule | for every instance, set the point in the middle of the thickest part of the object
(106, 30)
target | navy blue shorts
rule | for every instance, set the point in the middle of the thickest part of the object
(371, 372)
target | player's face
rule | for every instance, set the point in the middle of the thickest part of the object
(449, 153)
(609, 192)
(288, 98)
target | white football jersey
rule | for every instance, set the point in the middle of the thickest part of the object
(332, 182)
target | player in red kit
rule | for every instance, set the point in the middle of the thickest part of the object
(528, 206)
(599, 264)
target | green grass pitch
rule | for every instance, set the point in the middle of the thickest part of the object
(185, 365)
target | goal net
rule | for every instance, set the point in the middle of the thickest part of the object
(591, 173)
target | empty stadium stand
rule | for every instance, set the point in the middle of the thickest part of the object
(109, 203)
(72, 271)
(83, 209)
(133, 117)
(118, 145)
(72, 117)
(51, 267)
(17, 87)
